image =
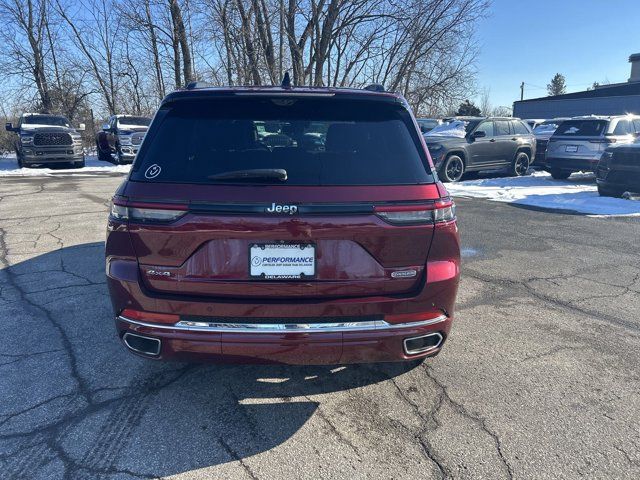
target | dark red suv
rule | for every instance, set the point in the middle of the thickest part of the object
(286, 225)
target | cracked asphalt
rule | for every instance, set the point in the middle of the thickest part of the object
(539, 378)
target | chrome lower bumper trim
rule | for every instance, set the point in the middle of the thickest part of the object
(218, 327)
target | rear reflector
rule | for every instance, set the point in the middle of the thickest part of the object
(414, 317)
(147, 213)
(150, 316)
(440, 211)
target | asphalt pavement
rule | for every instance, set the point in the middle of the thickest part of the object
(539, 378)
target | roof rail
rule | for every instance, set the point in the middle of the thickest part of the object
(375, 87)
(194, 85)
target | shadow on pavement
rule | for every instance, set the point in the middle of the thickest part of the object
(78, 404)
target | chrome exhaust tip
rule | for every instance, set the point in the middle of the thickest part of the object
(141, 344)
(422, 343)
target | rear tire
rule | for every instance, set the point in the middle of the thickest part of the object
(452, 169)
(101, 155)
(559, 174)
(608, 192)
(520, 165)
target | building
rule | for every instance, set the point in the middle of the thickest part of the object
(614, 99)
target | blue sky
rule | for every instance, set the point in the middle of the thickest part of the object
(530, 41)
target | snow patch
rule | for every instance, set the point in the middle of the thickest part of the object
(9, 168)
(453, 129)
(578, 194)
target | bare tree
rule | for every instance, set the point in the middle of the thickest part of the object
(126, 54)
(485, 102)
(24, 41)
(180, 39)
(97, 39)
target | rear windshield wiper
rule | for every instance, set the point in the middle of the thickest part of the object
(254, 173)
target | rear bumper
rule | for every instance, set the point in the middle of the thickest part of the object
(628, 186)
(381, 343)
(573, 164)
(316, 344)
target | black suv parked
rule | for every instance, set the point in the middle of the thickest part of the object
(121, 137)
(470, 144)
(619, 170)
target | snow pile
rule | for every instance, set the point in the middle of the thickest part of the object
(9, 168)
(453, 129)
(577, 194)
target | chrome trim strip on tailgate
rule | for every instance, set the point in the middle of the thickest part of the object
(219, 327)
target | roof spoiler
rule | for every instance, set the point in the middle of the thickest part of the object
(375, 87)
(195, 85)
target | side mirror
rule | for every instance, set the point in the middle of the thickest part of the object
(479, 134)
(424, 129)
(105, 127)
(81, 127)
(10, 128)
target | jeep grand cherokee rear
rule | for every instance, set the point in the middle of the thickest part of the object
(283, 225)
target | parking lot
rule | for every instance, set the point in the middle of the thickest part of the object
(539, 378)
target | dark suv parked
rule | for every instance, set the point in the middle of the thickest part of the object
(619, 170)
(334, 245)
(469, 144)
(120, 138)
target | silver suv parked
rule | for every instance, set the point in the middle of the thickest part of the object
(578, 144)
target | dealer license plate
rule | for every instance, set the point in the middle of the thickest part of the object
(282, 261)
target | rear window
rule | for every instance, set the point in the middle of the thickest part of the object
(317, 141)
(582, 128)
(134, 121)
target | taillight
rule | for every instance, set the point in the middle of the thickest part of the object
(147, 213)
(440, 211)
(605, 160)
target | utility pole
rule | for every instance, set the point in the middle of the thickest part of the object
(522, 91)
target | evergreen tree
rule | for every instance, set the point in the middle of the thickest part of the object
(558, 85)
(468, 109)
